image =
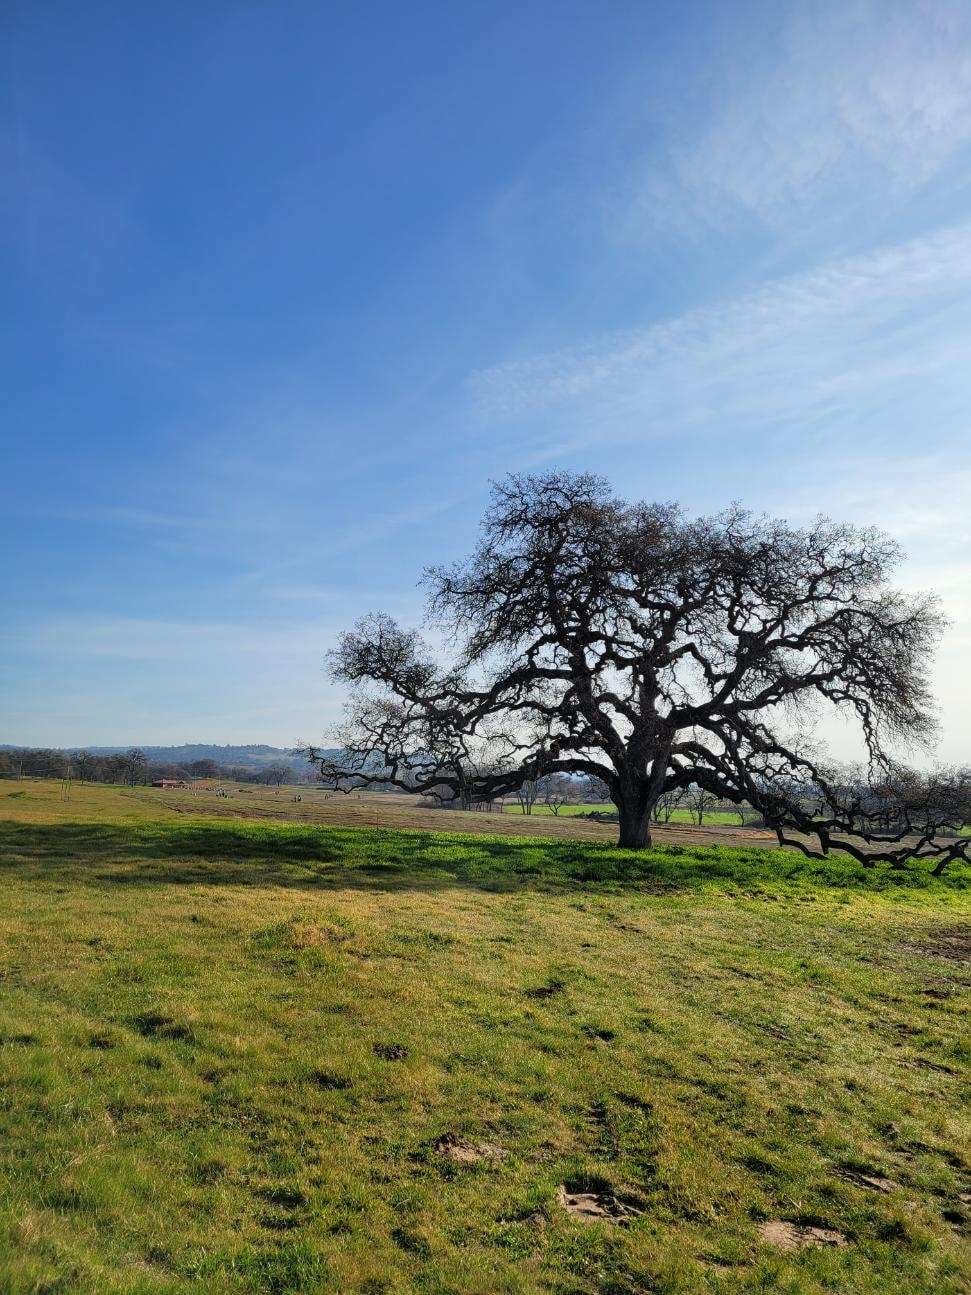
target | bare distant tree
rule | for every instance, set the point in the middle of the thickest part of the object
(701, 802)
(592, 789)
(629, 643)
(135, 766)
(666, 804)
(556, 790)
(274, 775)
(527, 793)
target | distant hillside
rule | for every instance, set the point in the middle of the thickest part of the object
(254, 755)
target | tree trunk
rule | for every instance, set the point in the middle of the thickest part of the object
(635, 793)
(635, 827)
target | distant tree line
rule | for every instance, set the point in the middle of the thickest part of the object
(555, 790)
(131, 768)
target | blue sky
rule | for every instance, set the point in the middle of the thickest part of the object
(286, 285)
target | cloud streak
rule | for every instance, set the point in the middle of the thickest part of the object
(839, 97)
(798, 348)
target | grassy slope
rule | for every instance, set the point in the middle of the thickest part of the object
(194, 1094)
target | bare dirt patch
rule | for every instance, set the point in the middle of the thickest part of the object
(798, 1236)
(462, 1152)
(597, 1207)
(950, 942)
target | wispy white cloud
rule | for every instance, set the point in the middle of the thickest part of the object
(851, 381)
(821, 98)
(799, 349)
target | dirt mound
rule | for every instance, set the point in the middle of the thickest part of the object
(597, 1207)
(797, 1236)
(463, 1152)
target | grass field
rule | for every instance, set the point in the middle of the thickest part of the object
(315, 805)
(565, 811)
(718, 817)
(244, 1054)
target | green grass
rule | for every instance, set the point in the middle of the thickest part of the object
(718, 817)
(228, 1050)
(565, 811)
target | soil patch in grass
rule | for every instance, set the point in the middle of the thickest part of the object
(600, 1204)
(785, 1235)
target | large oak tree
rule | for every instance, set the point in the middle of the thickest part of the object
(630, 643)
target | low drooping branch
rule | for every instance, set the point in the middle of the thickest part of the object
(629, 644)
(892, 815)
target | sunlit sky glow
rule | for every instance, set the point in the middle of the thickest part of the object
(287, 284)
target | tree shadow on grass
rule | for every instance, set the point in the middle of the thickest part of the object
(322, 858)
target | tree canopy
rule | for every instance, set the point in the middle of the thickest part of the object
(656, 652)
